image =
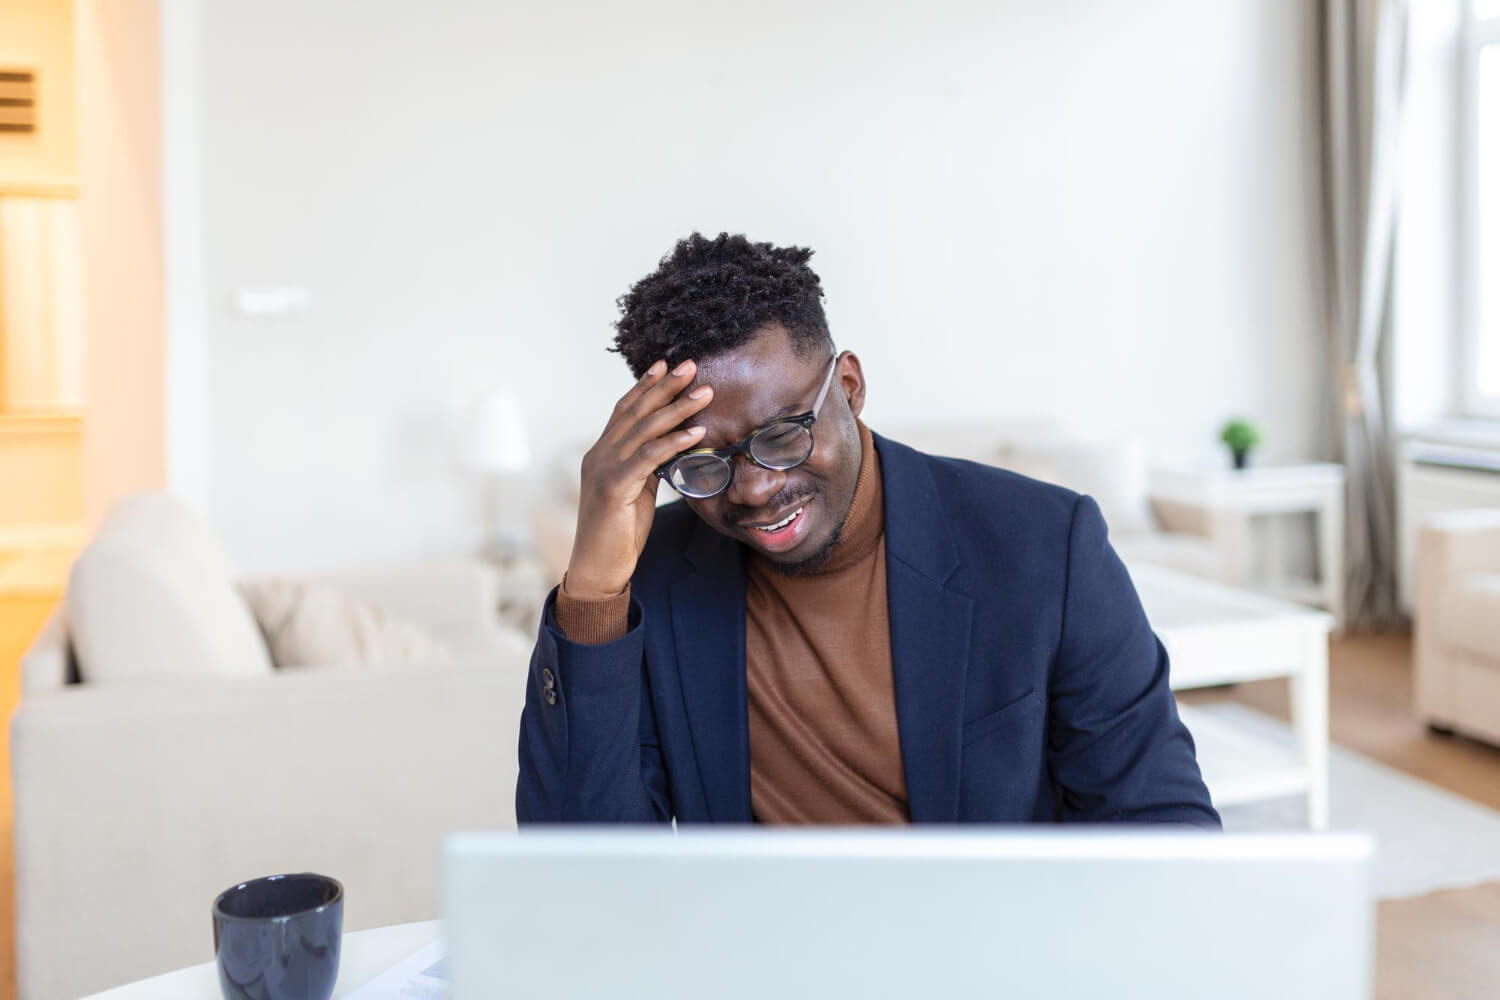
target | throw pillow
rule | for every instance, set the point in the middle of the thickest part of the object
(153, 596)
(310, 625)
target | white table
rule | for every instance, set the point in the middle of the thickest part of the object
(1215, 634)
(364, 955)
(1232, 496)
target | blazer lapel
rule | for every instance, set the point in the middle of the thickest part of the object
(708, 626)
(930, 626)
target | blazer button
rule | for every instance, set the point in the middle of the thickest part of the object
(548, 677)
(550, 694)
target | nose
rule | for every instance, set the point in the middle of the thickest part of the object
(752, 484)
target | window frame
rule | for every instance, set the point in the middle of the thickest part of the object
(1476, 35)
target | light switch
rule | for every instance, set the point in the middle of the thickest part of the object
(272, 300)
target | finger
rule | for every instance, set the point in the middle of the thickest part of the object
(650, 455)
(653, 397)
(659, 422)
(648, 491)
(649, 378)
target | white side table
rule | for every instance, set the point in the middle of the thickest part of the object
(1232, 496)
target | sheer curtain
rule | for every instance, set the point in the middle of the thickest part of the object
(1362, 62)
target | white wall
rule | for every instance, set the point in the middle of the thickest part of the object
(122, 202)
(1102, 210)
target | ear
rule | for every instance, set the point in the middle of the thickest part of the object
(850, 380)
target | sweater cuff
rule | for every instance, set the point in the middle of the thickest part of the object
(592, 622)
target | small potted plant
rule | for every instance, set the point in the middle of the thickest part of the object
(1241, 436)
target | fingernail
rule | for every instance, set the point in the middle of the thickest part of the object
(680, 369)
(657, 368)
(695, 431)
(699, 392)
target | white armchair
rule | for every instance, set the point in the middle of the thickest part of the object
(1457, 622)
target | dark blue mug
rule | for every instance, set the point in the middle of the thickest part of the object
(277, 938)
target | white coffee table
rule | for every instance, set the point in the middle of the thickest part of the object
(1219, 635)
(365, 955)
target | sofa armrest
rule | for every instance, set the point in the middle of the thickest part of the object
(156, 796)
(48, 664)
(452, 597)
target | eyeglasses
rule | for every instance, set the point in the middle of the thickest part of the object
(780, 445)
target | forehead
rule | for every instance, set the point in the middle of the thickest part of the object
(755, 384)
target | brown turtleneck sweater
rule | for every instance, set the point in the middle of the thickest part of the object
(824, 746)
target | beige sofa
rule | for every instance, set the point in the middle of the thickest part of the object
(142, 789)
(1456, 626)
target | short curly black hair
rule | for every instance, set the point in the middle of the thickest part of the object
(709, 296)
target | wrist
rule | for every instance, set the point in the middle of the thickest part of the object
(580, 588)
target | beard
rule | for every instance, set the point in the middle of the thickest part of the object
(814, 561)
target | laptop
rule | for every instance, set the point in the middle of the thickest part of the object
(1061, 914)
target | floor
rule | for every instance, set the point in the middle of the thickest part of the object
(1446, 944)
(1443, 945)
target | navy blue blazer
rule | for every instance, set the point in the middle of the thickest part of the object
(1029, 685)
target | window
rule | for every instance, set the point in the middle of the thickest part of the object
(1480, 294)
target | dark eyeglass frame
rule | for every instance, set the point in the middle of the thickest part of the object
(726, 455)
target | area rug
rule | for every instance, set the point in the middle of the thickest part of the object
(1426, 837)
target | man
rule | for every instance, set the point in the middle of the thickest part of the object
(830, 627)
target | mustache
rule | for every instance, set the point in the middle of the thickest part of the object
(781, 501)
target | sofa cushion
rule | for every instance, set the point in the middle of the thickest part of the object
(311, 624)
(153, 595)
(1467, 615)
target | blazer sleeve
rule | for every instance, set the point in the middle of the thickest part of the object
(1116, 747)
(589, 751)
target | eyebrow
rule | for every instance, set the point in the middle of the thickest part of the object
(788, 410)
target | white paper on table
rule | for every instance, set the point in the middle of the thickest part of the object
(422, 976)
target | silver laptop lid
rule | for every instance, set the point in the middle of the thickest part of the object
(1057, 914)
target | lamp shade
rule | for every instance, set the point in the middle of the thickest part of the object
(496, 435)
